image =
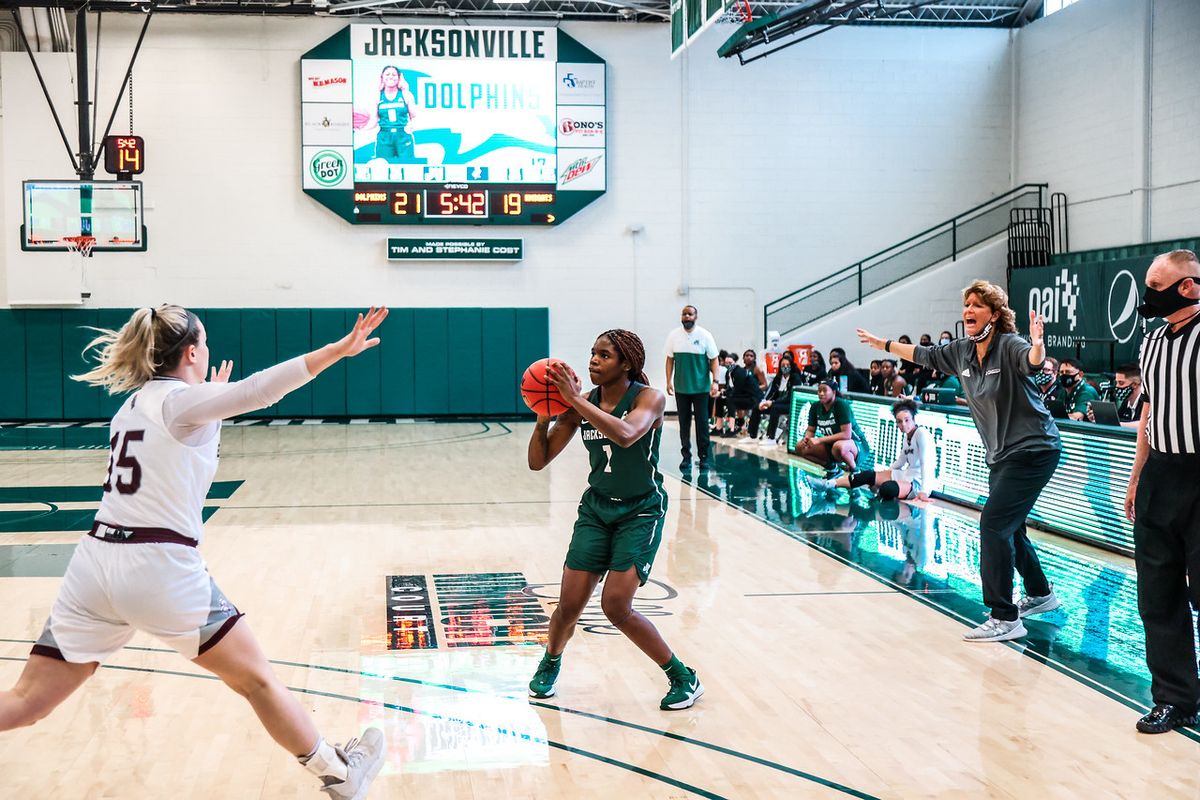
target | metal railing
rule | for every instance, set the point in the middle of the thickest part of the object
(942, 242)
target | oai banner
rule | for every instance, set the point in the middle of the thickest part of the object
(1094, 304)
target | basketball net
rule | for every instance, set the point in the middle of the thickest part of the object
(80, 244)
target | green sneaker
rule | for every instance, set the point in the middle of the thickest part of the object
(544, 679)
(684, 692)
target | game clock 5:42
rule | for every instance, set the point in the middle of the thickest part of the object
(471, 205)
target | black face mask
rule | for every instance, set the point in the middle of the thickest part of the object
(1043, 379)
(1122, 395)
(1068, 381)
(1164, 302)
(785, 368)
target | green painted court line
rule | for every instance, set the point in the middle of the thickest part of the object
(58, 519)
(687, 787)
(92, 493)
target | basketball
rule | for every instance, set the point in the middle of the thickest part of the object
(539, 392)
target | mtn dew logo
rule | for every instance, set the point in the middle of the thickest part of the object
(328, 168)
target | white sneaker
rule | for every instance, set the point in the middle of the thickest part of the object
(769, 444)
(746, 440)
(1028, 606)
(363, 758)
(996, 630)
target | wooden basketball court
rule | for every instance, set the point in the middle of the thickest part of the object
(401, 575)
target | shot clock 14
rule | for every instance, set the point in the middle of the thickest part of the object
(124, 155)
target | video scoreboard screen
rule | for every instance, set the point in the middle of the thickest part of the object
(423, 124)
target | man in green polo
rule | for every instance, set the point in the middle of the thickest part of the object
(692, 378)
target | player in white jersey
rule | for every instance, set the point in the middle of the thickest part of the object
(911, 475)
(138, 567)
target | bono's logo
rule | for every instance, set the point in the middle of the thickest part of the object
(1122, 305)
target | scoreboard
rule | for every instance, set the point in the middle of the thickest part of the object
(413, 124)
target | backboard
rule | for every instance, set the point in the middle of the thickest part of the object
(54, 210)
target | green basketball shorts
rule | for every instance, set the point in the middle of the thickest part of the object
(614, 535)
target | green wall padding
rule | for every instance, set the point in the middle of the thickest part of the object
(329, 390)
(12, 365)
(431, 362)
(432, 369)
(500, 359)
(293, 337)
(397, 379)
(363, 396)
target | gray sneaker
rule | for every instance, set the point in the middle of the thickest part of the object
(1028, 606)
(996, 630)
(363, 758)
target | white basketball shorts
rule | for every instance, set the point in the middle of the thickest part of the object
(113, 589)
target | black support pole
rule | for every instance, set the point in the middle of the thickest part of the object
(87, 168)
(16, 12)
(128, 72)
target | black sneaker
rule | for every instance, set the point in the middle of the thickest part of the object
(1164, 718)
(703, 464)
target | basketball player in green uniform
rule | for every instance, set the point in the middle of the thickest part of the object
(394, 113)
(622, 513)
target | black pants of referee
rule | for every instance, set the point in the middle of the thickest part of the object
(1166, 550)
(693, 406)
(1013, 487)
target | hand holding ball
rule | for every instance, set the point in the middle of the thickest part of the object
(539, 392)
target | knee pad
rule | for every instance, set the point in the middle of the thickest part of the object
(889, 490)
(865, 478)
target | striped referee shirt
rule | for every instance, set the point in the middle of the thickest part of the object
(1170, 362)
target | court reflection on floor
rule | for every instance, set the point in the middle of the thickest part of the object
(932, 552)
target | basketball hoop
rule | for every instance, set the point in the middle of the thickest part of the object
(80, 244)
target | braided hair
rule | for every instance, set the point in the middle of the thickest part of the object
(632, 352)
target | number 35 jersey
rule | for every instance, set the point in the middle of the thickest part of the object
(621, 473)
(154, 480)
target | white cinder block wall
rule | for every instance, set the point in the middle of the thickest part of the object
(793, 167)
(1109, 112)
(746, 182)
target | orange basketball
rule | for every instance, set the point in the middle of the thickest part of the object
(539, 393)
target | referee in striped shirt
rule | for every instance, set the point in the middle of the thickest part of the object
(1163, 499)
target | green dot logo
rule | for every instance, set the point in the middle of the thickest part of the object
(327, 168)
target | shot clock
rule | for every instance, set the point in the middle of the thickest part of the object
(417, 124)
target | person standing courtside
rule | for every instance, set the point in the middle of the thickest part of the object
(1021, 440)
(692, 378)
(1163, 498)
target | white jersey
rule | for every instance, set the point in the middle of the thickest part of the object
(154, 480)
(917, 460)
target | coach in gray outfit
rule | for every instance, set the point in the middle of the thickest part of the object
(1163, 499)
(995, 367)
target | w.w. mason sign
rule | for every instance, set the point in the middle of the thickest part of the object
(1094, 304)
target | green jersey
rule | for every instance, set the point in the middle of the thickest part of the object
(621, 473)
(393, 113)
(829, 421)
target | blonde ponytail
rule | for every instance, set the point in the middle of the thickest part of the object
(149, 343)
